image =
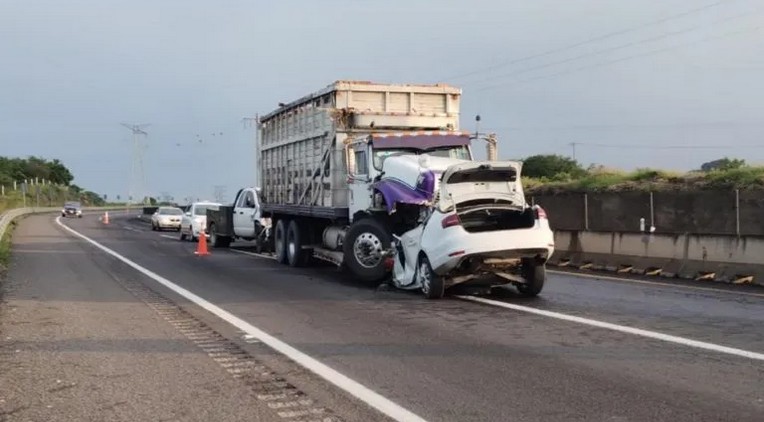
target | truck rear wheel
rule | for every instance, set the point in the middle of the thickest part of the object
(364, 244)
(535, 275)
(296, 255)
(218, 241)
(280, 241)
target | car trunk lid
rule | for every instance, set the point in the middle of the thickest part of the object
(476, 180)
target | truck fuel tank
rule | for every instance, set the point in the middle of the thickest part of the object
(333, 237)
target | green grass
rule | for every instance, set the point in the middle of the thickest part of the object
(5, 248)
(10, 200)
(49, 196)
(599, 180)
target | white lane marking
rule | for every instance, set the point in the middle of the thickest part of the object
(259, 255)
(354, 388)
(167, 236)
(657, 283)
(621, 328)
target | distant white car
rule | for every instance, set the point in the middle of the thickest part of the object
(72, 208)
(166, 218)
(479, 230)
(194, 221)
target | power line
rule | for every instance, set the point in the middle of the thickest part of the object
(611, 49)
(648, 53)
(645, 146)
(588, 41)
(629, 126)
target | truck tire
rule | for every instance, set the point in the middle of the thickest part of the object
(280, 241)
(218, 241)
(362, 249)
(535, 276)
(260, 240)
(296, 255)
(432, 285)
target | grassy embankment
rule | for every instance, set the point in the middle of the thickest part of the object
(612, 180)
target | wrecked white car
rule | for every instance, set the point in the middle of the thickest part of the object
(480, 230)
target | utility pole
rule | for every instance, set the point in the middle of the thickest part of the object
(137, 177)
(573, 145)
(248, 123)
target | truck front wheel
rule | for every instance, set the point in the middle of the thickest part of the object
(280, 241)
(363, 248)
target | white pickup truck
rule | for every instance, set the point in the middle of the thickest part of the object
(240, 220)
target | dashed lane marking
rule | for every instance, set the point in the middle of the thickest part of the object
(621, 328)
(341, 381)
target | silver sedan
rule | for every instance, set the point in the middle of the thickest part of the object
(166, 218)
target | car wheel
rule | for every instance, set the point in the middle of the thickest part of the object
(218, 241)
(431, 284)
(534, 275)
(182, 235)
(296, 255)
(363, 248)
(280, 241)
(191, 234)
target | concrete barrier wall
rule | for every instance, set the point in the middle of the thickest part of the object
(721, 258)
(731, 212)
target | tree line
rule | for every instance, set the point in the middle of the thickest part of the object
(52, 176)
(555, 167)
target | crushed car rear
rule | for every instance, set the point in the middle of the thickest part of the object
(482, 227)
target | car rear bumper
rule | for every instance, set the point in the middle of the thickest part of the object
(498, 249)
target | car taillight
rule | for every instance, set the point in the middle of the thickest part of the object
(540, 213)
(451, 220)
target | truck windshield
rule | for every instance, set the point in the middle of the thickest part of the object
(460, 152)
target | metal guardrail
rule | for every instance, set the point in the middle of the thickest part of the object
(7, 217)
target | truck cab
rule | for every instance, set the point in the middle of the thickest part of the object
(389, 171)
(246, 212)
(243, 219)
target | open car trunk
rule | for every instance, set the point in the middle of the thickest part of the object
(486, 196)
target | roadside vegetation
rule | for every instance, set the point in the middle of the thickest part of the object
(5, 249)
(559, 174)
(47, 183)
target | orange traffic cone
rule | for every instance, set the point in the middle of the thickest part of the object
(106, 217)
(201, 248)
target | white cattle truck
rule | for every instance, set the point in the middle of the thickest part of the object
(347, 168)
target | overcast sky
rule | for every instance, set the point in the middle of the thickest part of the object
(543, 74)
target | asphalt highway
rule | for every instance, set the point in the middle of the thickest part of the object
(446, 360)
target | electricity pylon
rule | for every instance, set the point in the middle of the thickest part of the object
(137, 176)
